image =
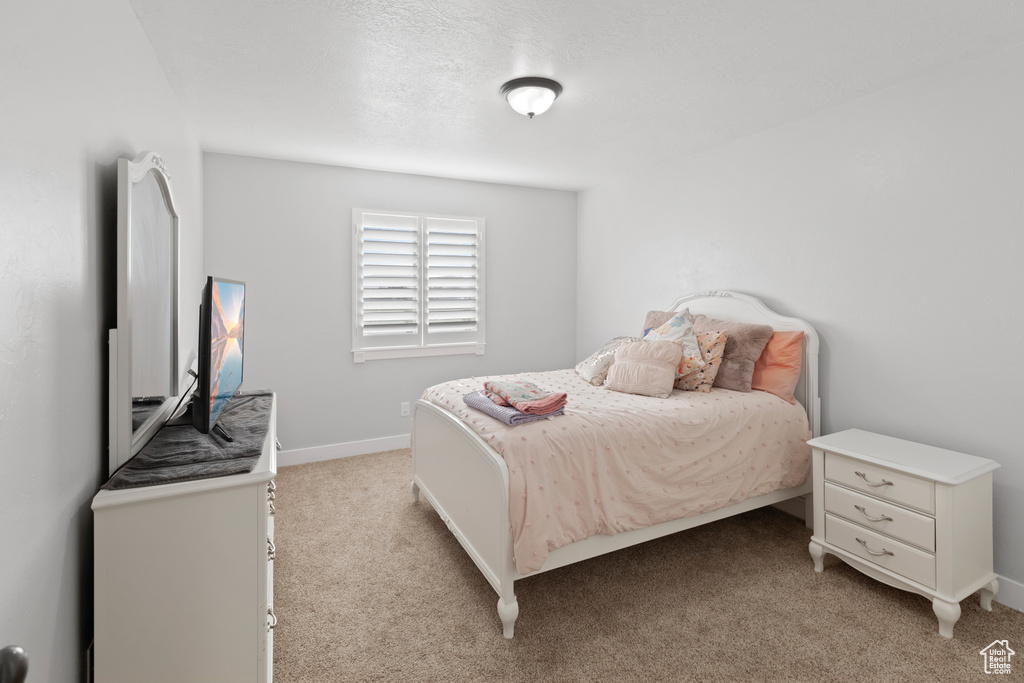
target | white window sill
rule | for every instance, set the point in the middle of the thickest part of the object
(362, 355)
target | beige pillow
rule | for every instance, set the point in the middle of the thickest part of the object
(647, 368)
(594, 369)
(743, 346)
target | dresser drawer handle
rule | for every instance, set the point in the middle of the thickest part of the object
(872, 552)
(885, 482)
(272, 508)
(883, 518)
(273, 617)
(271, 551)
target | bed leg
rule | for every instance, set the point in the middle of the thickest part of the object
(508, 614)
(415, 492)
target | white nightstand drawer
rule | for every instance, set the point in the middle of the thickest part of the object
(883, 551)
(881, 482)
(881, 516)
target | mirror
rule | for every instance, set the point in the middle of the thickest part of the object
(144, 347)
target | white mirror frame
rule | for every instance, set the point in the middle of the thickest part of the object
(124, 442)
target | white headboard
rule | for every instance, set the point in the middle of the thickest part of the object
(736, 307)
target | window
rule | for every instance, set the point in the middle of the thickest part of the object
(417, 285)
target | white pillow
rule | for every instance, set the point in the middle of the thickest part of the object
(647, 368)
(595, 368)
(679, 328)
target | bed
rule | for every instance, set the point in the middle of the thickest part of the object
(473, 471)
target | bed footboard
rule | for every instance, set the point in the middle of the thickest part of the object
(466, 482)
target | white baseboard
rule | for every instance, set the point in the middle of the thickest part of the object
(341, 450)
(1011, 593)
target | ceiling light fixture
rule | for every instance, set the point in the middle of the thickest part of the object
(531, 95)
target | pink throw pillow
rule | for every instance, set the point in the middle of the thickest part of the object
(777, 371)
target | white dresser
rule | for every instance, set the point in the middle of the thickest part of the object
(912, 516)
(184, 578)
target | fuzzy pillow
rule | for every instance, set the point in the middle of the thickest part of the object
(679, 328)
(777, 371)
(743, 346)
(645, 367)
(712, 346)
(595, 368)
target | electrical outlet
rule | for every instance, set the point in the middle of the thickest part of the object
(405, 409)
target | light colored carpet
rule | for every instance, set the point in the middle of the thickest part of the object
(369, 586)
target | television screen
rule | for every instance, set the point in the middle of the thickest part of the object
(221, 349)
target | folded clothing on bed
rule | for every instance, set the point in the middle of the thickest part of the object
(526, 397)
(507, 414)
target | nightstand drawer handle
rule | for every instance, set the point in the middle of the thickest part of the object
(872, 552)
(273, 619)
(883, 518)
(885, 482)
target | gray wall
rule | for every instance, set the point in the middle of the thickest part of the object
(891, 223)
(79, 87)
(285, 229)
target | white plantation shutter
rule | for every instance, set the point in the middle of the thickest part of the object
(452, 279)
(417, 285)
(389, 278)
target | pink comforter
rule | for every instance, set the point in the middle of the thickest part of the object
(618, 462)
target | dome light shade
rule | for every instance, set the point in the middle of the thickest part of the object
(531, 95)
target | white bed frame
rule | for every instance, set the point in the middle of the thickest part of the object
(466, 481)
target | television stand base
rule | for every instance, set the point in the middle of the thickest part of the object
(187, 417)
(223, 432)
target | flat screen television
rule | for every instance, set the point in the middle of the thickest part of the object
(221, 351)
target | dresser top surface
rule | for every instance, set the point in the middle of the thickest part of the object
(930, 462)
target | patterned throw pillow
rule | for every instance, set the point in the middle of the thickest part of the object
(712, 346)
(679, 328)
(656, 319)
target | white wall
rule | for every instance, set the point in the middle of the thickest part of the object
(892, 223)
(285, 229)
(79, 87)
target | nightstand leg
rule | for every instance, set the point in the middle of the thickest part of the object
(818, 555)
(948, 614)
(988, 593)
(415, 492)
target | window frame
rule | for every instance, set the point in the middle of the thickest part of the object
(423, 347)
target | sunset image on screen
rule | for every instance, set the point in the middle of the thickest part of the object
(226, 350)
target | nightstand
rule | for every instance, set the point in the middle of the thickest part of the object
(915, 517)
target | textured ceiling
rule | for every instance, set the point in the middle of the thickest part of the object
(412, 85)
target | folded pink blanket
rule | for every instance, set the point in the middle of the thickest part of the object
(498, 400)
(525, 396)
